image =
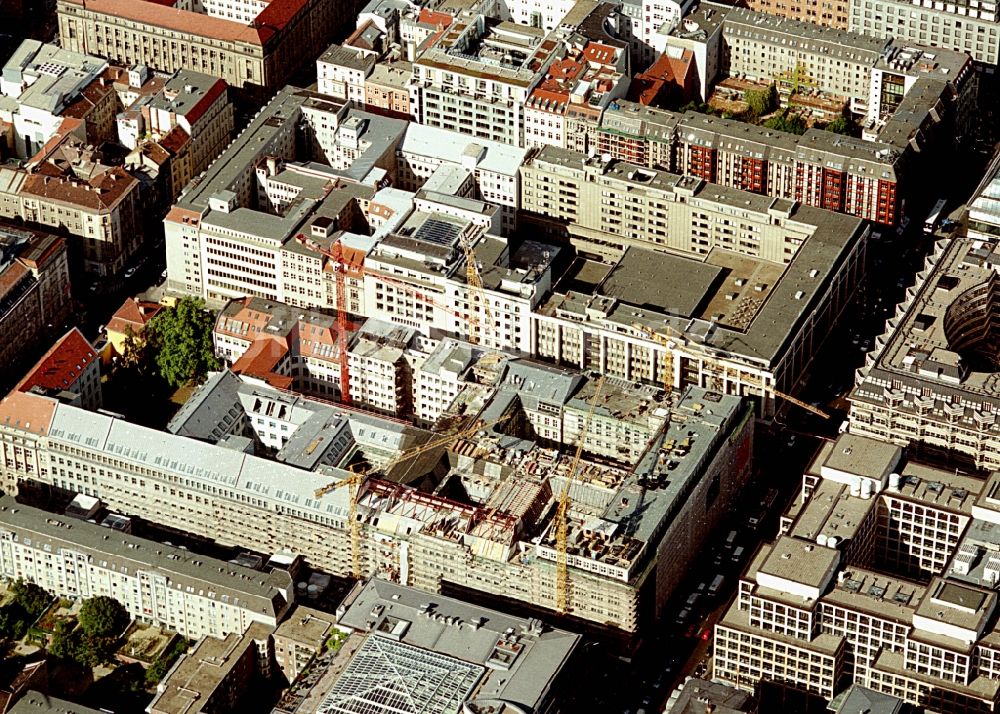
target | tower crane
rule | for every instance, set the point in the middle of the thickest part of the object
(474, 280)
(753, 380)
(357, 478)
(354, 482)
(341, 266)
(562, 509)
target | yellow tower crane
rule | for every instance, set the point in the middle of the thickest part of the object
(750, 379)
(357, 478)
(474, 280)
(562, 509)
(353, 481)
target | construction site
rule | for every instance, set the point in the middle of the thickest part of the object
(526, 498)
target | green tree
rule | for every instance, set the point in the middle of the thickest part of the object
(761, 101)
(13, 622)
(32, 598)
(64, 642)
(696, 106)
(102, 616)
(134, 353)
(841, 125)
(181, 339)
(790, 123)
(165, 661)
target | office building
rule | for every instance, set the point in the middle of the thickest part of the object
(930, 380)
(884, 574)
(963, 26)
(640, 536)
(494, 166)
(159, 584)
(255, 56)
(444, 653)
(755, 300)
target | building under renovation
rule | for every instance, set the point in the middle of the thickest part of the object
(472, 506)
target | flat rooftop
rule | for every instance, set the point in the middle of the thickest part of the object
(918, 353)
(463, 652)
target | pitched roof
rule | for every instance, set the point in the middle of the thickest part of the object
(262, 357)
(28, 412)
(133, 313)
(100, 193)
(62, 365)
(161, 13)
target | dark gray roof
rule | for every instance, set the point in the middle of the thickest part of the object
(37, 703)
(861, 699)
(211, 410)
(264, 593)
(664, 282)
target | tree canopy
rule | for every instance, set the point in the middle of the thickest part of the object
(102, 616)
(841, 125)
(32, 598)
(761, 101)
(181, 339)
(787, 122)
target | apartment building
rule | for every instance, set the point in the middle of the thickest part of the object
(489, 657)
(379, 362)
(868, 178)
(34, 291)
(408, 534)
(158, 584)
(265, 340)
(645, 22)
(197, 104)
(341, 73)
(883, 574)
(930, 379)
(828, 14)
(964, 26)
(477, 74)
(723, 330)
(447, 371)
(303, 635)
(69, 370)
(390, 90)
(255, 57)
(594, 75)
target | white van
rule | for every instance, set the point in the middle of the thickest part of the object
(737, 554)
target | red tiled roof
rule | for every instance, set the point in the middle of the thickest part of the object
(133, 313)
(161, 13)
(31, 412)
(438, 19)
(101, 192)
(183, 215)
(213, 93)
(262, 357)
(62, 365)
